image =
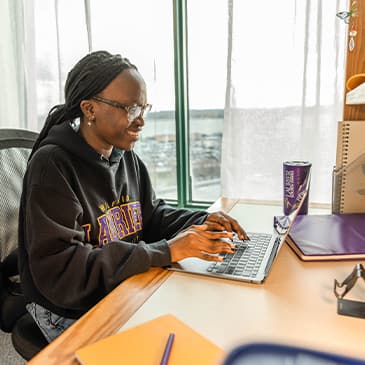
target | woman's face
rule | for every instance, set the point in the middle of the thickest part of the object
(111, 126)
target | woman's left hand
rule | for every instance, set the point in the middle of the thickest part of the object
(220, 221)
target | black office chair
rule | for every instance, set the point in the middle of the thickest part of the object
(15, 147)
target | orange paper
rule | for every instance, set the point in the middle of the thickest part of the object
(145, 344)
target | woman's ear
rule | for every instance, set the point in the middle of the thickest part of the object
(87, 109)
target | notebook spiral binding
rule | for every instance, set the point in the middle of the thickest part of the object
(345, 149)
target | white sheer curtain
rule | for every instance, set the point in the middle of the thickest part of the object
(61, 36)
(17, 96)
(40, 42)
(284, 94)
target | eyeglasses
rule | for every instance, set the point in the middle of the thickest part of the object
(133, 111)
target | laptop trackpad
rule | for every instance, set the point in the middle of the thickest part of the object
(192, 264)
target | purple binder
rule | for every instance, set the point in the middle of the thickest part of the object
(328, 237)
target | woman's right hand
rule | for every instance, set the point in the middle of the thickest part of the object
(198, 241)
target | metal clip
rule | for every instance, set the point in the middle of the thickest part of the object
(350, 307)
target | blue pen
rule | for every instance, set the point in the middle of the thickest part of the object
(166, 353)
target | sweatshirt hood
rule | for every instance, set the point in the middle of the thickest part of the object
(66, 136)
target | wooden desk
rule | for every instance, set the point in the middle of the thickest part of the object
(296, 305)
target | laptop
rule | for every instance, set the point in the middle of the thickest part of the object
(252, 259)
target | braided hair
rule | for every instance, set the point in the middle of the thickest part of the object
(92, 74)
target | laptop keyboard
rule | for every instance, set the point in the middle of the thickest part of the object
(246, 259)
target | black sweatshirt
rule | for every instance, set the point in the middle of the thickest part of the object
(87, 223)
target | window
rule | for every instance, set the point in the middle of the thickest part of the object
(143, 32)
(207, 67)
(181, 49)
(132, 30)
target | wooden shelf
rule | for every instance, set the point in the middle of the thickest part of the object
(355, 63)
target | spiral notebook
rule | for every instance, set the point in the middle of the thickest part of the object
(348, 185)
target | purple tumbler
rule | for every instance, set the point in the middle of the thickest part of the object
(294, 174)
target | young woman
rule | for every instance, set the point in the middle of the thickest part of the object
(89, 217)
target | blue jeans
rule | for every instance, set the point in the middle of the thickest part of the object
(51, 325)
